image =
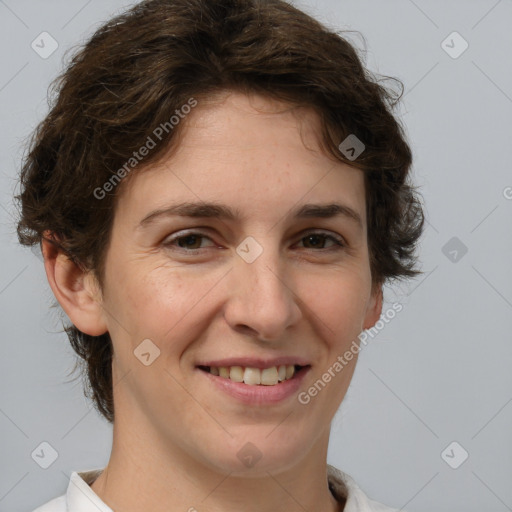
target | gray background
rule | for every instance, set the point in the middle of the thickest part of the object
(438, 372)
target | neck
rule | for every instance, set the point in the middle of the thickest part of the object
(145, 474)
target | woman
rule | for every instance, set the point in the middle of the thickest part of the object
(220, 191)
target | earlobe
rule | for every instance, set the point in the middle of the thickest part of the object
(77, 291)
(374, 308)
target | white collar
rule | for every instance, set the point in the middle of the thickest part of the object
(79, 495)
(344, 486)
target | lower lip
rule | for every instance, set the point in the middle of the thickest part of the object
(258, 394)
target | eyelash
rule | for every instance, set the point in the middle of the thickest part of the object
(339, 241)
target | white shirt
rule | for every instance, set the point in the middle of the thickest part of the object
(80, 497)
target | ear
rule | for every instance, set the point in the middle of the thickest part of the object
(374, 309)
(78, 292)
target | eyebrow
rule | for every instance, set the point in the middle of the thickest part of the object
(224, 212)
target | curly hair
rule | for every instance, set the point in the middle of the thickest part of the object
(142, 66)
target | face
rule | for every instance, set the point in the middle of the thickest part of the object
(264, 287)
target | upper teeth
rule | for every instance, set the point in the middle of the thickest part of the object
(255, 376)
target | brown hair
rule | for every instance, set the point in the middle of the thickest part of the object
(142, 66)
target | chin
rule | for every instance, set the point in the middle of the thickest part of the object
(256, 453)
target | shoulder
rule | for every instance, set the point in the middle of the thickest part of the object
(345, 487)
(55, 505)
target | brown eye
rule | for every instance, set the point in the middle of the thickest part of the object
(318, 240)
(189, 242)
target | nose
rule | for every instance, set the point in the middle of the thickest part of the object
(262, 298)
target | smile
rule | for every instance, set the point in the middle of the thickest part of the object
(254, 376)
(256, 386)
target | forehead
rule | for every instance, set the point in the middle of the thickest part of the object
(261, 154)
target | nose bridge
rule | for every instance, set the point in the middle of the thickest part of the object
(262, 298)
(261, 268)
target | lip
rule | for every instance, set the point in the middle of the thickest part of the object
(258, 394)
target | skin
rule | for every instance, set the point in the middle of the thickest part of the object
(176, 438)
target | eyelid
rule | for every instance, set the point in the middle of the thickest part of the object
(168, 241)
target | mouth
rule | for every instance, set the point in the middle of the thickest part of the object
(250, 385)
(252, 376)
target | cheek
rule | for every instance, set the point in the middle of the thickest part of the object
(167, 305)
(158, 301)
(339, 302)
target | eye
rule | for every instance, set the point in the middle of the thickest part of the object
(191, 241)
(317, 239)
(188, 241)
